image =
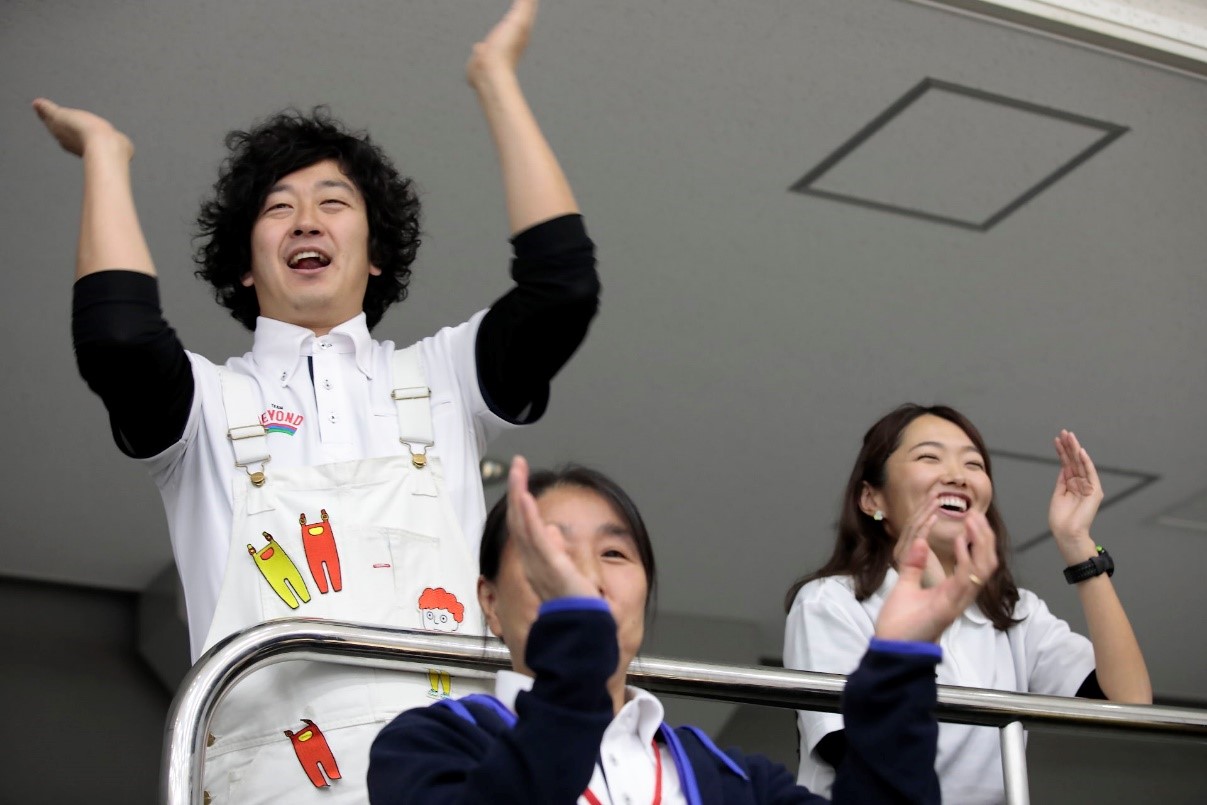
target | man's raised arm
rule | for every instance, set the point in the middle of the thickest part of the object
(110, 235)
(535, 187)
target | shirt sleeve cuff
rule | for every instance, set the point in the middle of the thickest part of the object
(907, 647)
(550, 236)
(574, 604)
(118, 283)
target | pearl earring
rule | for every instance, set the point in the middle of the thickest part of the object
(878, 516)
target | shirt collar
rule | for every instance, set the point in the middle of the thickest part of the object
(279, 346)
(642, 713)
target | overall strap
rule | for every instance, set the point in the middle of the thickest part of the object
(246, 432)
(412, 402)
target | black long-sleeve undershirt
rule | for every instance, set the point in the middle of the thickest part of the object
(129, 355)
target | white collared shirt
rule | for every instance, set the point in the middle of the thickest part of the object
(345, 414)
(828, 630)
(626, 757)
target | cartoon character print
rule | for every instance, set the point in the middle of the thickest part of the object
(441, 684)
(310, 745)
(439, 610)
(280, 572)
(319, 542)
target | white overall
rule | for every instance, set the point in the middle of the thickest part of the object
(372, 541)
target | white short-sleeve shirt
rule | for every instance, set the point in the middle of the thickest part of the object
(345, 414)
(828, 630)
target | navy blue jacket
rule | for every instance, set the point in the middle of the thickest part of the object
(470, 753)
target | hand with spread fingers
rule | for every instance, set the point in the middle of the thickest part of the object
(546, 555)
(913, 612)
(1075, 500)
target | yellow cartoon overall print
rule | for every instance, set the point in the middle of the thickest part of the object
(280, 572)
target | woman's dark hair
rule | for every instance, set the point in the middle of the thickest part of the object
(494, 533)
(287, 142)
(864, 549)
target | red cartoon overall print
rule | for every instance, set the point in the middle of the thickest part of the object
(318, 540)
(310, 745)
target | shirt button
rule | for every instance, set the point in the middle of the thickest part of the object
(327, 384)
(283, 376)
(324, 345)
(333, 418)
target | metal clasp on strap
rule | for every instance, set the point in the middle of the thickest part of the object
(419, 459)
(240, 433)
(410, 393)
(258, 477)
(246, 432)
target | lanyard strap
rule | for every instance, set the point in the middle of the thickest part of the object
(589, 795)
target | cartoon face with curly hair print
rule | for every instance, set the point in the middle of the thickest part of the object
(440, 611)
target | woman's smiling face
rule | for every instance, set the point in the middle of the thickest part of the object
(934, 460)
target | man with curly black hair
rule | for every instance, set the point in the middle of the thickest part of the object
(324, 473)
(281, 145)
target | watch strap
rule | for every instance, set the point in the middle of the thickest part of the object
(1094, 566)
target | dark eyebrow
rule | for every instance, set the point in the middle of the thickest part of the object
(966, 449)
(340, 183)
(607, 529)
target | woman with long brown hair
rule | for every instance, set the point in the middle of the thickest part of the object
(925, 472)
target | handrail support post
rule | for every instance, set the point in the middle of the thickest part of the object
(1014, 764)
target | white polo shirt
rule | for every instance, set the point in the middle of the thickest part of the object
(624, 774)
(345, 414)
(828, 630)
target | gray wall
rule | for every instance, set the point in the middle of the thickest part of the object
(83, 715)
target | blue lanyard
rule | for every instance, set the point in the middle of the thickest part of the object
(687, 775)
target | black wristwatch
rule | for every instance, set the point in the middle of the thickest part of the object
(1102, 563)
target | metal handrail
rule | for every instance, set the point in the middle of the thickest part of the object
(224, 665)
